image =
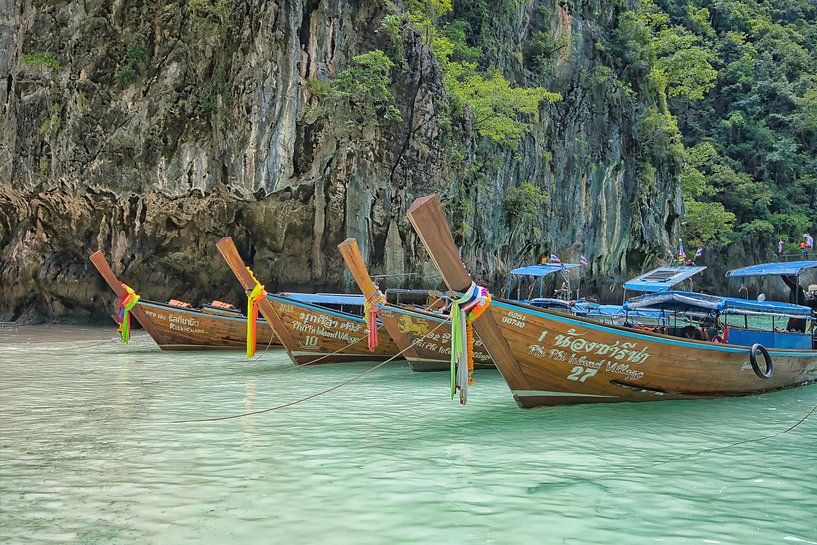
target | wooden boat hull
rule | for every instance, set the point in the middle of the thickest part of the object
(567, 360)
(192, 329)
(554, 359)
(319, 336)
(175, 328)
(432, 346)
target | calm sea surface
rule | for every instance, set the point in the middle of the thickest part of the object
(87, 456)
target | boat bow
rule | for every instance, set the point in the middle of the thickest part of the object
(428, 218)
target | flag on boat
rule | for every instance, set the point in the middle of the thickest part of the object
(555, 258)
(699, 252)
(583, 261)
(670, 254)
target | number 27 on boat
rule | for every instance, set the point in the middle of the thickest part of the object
(555, 359)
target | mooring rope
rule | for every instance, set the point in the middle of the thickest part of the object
(338, 351)
(311, 362)
(430, 306)
(736, 443)
(629, 469)
(303, 399)
(269, 343)
(316, 360)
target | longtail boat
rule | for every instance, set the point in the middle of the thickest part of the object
(311, 333)
(423, 336)
(554, 359)
(175, 327)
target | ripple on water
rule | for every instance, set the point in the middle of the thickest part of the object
(88, 456)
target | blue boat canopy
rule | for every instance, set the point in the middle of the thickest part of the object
(326, 298)
(618, 310)
(544, 269)
(782, 268)
(662, 278)
(687, 301)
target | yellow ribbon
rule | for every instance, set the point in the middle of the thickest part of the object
(258, 292)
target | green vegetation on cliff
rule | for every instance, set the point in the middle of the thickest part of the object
(40, 58)
(741, 80)
(365, 85)
(500, 110)
(735, 87)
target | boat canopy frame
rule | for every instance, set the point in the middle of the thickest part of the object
(541, 271)
(783, 269)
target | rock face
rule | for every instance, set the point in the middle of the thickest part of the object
(164, 126)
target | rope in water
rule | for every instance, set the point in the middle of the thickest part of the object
(330, 354)
(261, 355)
(736, 443)
(628, 469)
(303, 399)
(316, 360)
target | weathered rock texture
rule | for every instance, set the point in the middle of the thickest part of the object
(165, 128)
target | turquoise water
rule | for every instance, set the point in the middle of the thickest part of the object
(87, 456)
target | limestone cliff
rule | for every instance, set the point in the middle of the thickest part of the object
(151, 129)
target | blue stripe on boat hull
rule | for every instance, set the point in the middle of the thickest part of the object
(661, 339)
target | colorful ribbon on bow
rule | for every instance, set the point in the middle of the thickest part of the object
(258, 292)
(126, 304)
(370, 308)
(464, 311)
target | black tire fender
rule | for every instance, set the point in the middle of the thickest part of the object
(757, 347)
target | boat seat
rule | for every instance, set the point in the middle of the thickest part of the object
(222, 305)
(180, 304)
